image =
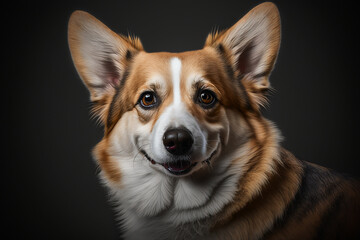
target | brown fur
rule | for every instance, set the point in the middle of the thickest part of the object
(107, 163)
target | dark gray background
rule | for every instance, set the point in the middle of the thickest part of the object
(49, 180)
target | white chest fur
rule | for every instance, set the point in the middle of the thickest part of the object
(153, 205)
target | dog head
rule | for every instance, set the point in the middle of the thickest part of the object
(173, 114)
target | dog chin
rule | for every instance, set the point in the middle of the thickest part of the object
(182, 167)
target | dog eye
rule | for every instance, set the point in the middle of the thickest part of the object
(147, 100)
(207, 98)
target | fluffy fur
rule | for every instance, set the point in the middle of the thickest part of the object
(241, 183)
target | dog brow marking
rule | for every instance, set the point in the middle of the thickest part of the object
(175, 64)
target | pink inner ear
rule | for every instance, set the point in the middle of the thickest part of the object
(113, 81)
(111, 74)
(244, 61)
(249, 59)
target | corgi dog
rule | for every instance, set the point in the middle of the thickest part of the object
(186, 152)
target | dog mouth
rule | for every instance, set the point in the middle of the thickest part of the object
(179, 167)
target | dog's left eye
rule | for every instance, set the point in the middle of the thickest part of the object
(147, 100)
(207, 99)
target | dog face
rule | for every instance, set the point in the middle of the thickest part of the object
(174, 114)
(178, 110)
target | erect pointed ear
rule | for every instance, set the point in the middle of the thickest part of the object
(100, 55)
(251, 47)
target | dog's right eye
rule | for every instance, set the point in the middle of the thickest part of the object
(207, 99)
(148, 100)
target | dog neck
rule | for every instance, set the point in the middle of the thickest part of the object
(254, 212)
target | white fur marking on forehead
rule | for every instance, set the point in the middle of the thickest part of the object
(175, 65)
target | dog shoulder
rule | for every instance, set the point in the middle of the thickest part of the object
(326, 206)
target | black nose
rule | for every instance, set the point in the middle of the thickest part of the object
(178, 141)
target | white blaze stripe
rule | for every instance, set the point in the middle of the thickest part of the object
(175, 64)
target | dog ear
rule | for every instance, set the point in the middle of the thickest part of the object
(251, 47)
(100, 55)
